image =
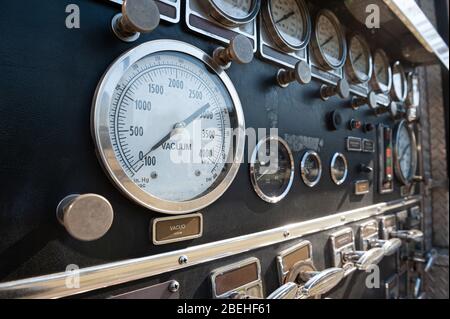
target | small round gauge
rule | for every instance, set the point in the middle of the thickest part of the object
(405, 152)
(311, 168)
(399, 88)
(381, 79)
(163, 122)
(272, 169)
(359, 59)
(234, 12)
(288, 23)
(329, 45)
(339, 168)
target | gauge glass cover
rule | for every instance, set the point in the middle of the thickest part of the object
(382, 72)
(339, 168)
(405, 153)
(311, 168)
(360, 59)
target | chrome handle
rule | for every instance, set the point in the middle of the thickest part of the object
(431, 258)
(287, 291)
(322, 282)
(389, 246)
(412, 234)
(364, 259)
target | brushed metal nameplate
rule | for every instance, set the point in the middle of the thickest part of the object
(167, 230)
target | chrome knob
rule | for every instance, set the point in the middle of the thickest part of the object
(392, 109)
(300, 73)
(364, 259)
(408, 235)
(371, 100)
(363, 168)
(288, 291)
(86, 217)
(240, 50)
(138, 16)
(342, 89)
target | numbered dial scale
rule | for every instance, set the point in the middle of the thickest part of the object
(234, 12)
(329, 45)
(163, 120)
(272, 169)
(399, 83)
(288, 24)
(381, 79)
(359, 59)
(405, 152)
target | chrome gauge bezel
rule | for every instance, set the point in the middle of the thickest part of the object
(402, 97)
(406, 180)
(317, 48)
(222, 17)
(374, 81)
(100, 128)
(275, 34)
(303, 172)
(258, 190)
(352, 72)
(335, 157)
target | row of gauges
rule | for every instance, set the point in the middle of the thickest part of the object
(272, 169)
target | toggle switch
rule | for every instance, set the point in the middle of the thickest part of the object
(371, 100)
(300, 73)
(363, 168)
(240, 50)
(86, 217)
(138, 16)
(342, 89)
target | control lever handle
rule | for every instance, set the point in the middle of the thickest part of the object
(408, 235)
(320, 282)
(300, 73)
(371, 100)
(288, 291)
(342, 89)
(389, 246)
(240, 50)
(429, 261)
(364, 259)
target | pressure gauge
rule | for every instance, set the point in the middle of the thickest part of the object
(359, 59)
(311, 168)
(339, 168)
(329, 45)
(288, 23)
(405, 153)
(164, 118)
(234, 12)
(399, 88)
(272, 169)
(381, 80)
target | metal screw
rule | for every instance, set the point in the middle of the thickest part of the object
(174, 286)
(286, 233)
(183, 260)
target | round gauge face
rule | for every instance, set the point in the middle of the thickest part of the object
(360, 59)
(235, 12)
(330, 39)
(405, 151)
(272, 169)
(163, 127)
(289, 21)
(311, 168)
(399, 82)
(339, 168)
(381, 71)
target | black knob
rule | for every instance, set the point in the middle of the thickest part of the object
(240, 50)
(371, 100)
(335, 120)
(363, 168)
(300, 73)
(138, 16)
(342, 89)
(368, 127)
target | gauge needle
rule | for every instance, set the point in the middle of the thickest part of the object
(357, 58)
(379, 72)
(286, 16)
(327, 40)
(403, 152)
(177, 125)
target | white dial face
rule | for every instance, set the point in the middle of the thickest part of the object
(289, 21)
(329, 40)
(170, 123)
(405, 152)
(381, 69)
(398, 81)
(359, 58)
(235, 8)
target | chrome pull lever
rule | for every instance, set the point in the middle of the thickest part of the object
(288, 291)
(320, 282)
(389, 246)
(364, 259)
(408, 235)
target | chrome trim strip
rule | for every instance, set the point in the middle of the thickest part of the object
(106, 275)
(416, 21)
